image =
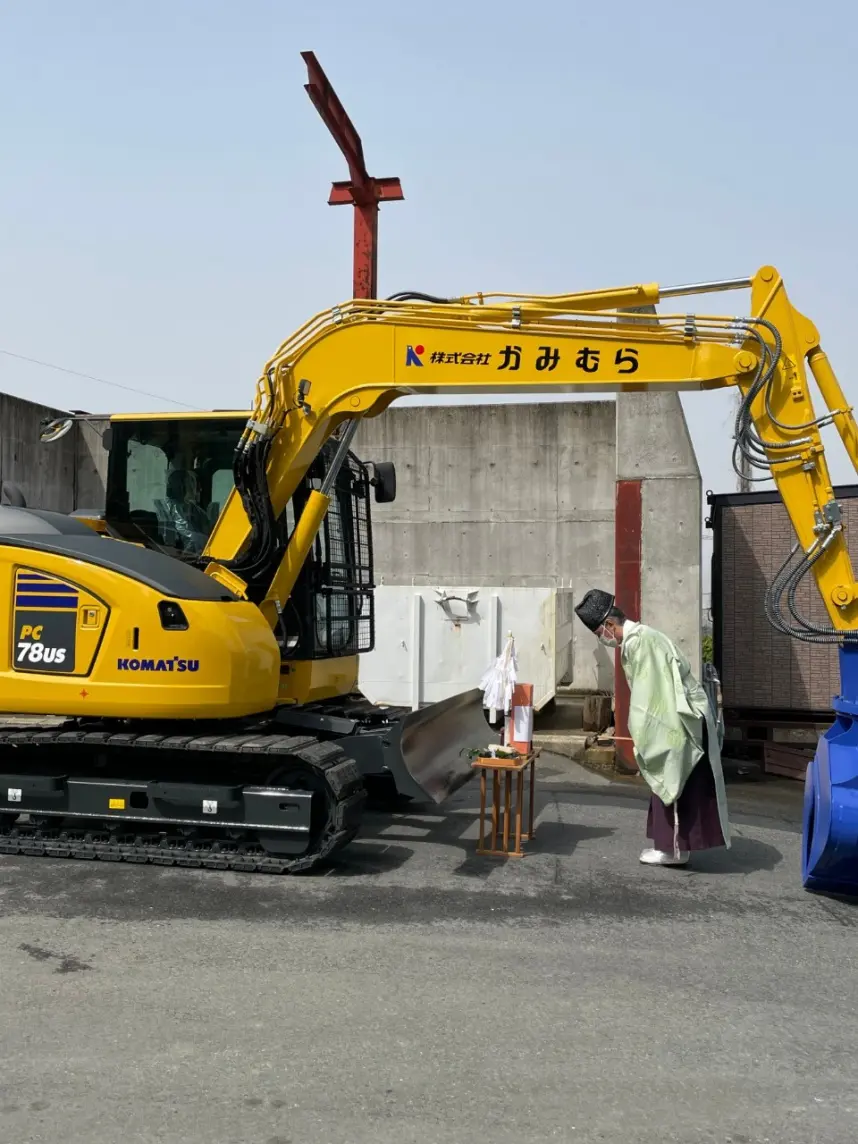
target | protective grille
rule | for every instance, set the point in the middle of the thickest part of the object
(334, 595)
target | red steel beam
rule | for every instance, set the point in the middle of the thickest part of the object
(628, 528)
(360, 190)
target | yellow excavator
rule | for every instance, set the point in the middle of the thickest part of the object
(200, 636)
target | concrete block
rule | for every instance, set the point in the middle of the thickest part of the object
(566, 744)
(671, 588)
(601, 759)
(653, 438)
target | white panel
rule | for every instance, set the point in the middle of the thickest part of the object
(433, 644)
(563, 614)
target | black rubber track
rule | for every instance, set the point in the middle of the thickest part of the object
(127, 843)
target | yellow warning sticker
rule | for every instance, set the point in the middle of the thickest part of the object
(116, 803)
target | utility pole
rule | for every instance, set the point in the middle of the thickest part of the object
(360, 190)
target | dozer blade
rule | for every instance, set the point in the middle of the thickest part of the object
(433, 744)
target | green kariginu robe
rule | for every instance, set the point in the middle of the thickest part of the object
(665, 712)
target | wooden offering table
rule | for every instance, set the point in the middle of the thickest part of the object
(512, 815)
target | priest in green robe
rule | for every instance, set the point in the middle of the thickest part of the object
(673, 729)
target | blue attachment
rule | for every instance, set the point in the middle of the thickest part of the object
(829, 856)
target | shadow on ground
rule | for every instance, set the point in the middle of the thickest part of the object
(752, 806)
(372, 856)
(386, 842)
(559, 839)
(745, 856)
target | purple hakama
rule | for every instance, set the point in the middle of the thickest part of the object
(697, 810)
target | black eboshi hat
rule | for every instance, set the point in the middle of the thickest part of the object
(594, 608)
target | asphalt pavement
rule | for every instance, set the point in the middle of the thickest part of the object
(417, 994)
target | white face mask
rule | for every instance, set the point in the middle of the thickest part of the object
(607, 640)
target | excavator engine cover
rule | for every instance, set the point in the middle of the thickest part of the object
(101, 628)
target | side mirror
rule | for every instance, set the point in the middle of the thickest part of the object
(383, 481)
(52, 430)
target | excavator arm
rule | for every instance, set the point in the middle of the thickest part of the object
(353, 361)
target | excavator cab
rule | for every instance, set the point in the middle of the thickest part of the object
(168, 478)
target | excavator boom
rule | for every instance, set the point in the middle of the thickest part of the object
(356, 359)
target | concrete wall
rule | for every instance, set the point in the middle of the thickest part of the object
(45, 474)
(504, 495)
(654, 446)
(62, 476)
(518, 495)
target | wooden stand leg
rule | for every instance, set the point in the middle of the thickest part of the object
(495, 808)
(507, 809)
(481, 843)
(519, 800)
(532, 793)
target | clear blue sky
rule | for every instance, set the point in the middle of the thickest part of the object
(163, 214)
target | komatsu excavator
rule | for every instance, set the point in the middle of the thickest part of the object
(200, 637)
